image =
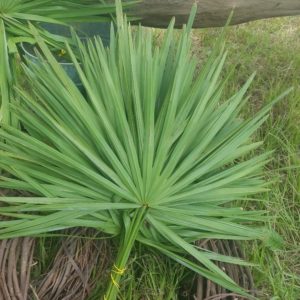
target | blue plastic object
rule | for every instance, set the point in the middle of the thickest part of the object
(84, 30)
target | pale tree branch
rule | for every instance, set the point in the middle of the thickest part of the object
(213, 13)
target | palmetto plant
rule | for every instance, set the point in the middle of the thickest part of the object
(152, 153)
(15, 16)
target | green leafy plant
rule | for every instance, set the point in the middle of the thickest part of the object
(15, 16)
(151, 154)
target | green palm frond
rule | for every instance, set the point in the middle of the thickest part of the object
(151, 153)
(56, 10)
(5, 76)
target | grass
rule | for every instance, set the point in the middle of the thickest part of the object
(148, 276)
(152, 277)
(272, 48)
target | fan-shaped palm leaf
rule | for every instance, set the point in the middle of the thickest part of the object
(152, 152)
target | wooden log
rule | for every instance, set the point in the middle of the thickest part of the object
(213, 13)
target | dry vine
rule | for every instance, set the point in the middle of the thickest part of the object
(208, 290)
(16, 257)
(70, 275)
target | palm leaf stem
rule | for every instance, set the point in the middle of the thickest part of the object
(131, 231)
